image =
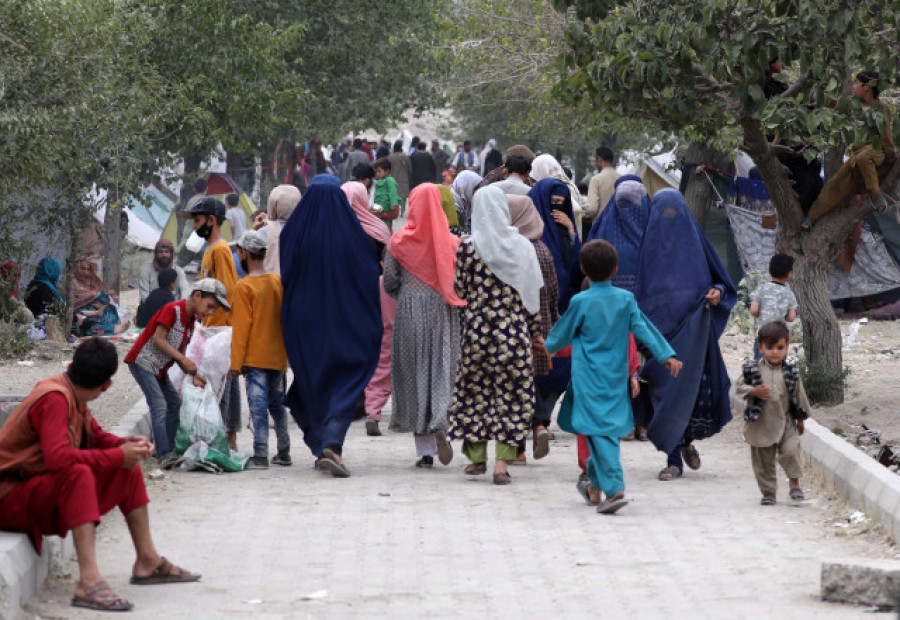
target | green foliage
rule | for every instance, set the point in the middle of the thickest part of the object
(823, 385)
(13, 341)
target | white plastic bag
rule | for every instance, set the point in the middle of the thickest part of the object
(210, 349)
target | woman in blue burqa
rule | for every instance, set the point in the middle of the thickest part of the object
(683, 288)
(331, 317)
(553, 201)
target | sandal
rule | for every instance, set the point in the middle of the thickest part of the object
(767, 500)
(165, 573)
(691, 456)
(101, 598)
(476, 469)
(612, 504)
(502, 479)
(797, 495)
(541, 447)
(582, 486)
(521, 459)
(669, 473)
(641, 434)
(328, 463)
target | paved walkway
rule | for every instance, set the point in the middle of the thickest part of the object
(396, 542)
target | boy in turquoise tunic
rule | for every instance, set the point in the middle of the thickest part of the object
(597, 324)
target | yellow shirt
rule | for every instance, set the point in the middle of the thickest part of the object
(256, 339)
(218, 263)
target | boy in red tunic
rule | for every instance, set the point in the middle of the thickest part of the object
(60, 471)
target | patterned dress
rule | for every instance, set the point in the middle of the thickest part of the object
(493, 397)
(424, 353)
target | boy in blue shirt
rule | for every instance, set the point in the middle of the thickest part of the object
(596, 404)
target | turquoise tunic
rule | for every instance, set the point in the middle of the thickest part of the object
(597, 324)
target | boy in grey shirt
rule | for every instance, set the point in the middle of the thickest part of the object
(774, 301)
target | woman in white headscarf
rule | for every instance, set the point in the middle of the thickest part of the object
(499, 278)
(282, 201)
(546, 167)
(463, 189)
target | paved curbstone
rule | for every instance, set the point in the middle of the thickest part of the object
(862, 582)
(22, 571)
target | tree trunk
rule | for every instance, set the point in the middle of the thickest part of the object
(112, 237)
(191, 168)
(698, 190)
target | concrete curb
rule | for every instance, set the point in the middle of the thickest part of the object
(859, 479)
(22, 571)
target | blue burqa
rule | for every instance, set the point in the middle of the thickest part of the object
(566, 252)
(331, 313)
(677, 268)
(623, 225)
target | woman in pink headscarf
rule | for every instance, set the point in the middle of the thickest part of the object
(419, 270)
(282, 201)
(379, 389)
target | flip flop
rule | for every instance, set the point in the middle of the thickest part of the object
(797, 495)
(610, 506)
(691, 456)
(328, 463)
(101, 598)
(445, 450)
(582, 486)
(476, 469)
(163, 574)
(541, 444)
(669, 473)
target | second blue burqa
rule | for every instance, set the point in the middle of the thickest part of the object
(678, 266)
(331, 313)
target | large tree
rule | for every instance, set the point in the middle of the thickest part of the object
(698, 68)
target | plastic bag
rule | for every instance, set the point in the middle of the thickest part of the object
(210, 350)
(201, 423)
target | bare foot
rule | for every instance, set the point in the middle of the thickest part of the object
(594, 494)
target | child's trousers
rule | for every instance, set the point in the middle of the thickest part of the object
(604, 467)
(861, 167)
(477, 451)
(786, 452)
(265, 396)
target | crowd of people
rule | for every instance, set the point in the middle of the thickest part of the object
(476, 317)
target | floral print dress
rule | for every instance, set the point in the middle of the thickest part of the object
(493, 395)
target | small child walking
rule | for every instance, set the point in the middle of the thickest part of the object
(774, 301)
(161, 344)
(257, 350)
(596, 324)
(158, 297)
(387, 200)
(776, 408)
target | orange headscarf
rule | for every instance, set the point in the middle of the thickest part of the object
(87, 283)
(425, 247)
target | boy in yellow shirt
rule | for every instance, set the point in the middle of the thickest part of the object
(257, 349)
(208, 215)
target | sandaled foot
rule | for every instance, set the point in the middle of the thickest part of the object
(100, 598)
(691, 456)
(541, 446)
(329, 462)
(767, 500)
(584, 488)
(502, 479)
(669, 473)
(640, 433)
(445, 450)
(372, 429)
(629, 436)
(476, 469)
(612, 504)
(521, 459)
(797, 494)
(166, 572)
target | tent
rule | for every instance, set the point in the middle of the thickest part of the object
(154, 207)
(220, 185)
(656, 171)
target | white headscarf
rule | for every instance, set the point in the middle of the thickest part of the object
(505, 251)
(463, 188)
(546, 167)
(282, 201)
(484, 152)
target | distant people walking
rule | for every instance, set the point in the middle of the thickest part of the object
(490, 158)
(355, 156)
(401, 170)
(466, 158)
(163, 258)
(236, 216)
(423, 167)
(463, 189)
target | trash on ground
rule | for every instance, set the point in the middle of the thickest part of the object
(314, 595)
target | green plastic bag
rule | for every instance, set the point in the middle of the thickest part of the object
(201, 433)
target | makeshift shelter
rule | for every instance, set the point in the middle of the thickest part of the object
(220, 185)
(154, 207)
(656, 171)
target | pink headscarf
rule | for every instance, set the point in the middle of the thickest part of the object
(282, 201)
(358, 196)
(425, 247)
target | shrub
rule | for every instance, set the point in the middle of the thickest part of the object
(13, 341)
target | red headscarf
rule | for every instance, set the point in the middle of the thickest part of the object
(10, 273)
(425, 247)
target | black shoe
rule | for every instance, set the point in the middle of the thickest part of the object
(372, 429)
(426, 462)
(257, 462)
(282, 458)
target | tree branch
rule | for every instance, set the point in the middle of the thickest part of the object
(797, 86)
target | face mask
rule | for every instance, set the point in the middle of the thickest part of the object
(204, 231)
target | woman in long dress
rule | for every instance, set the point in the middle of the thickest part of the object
(498, 275)
(684, 289)
(419, 271)
(331, 317)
